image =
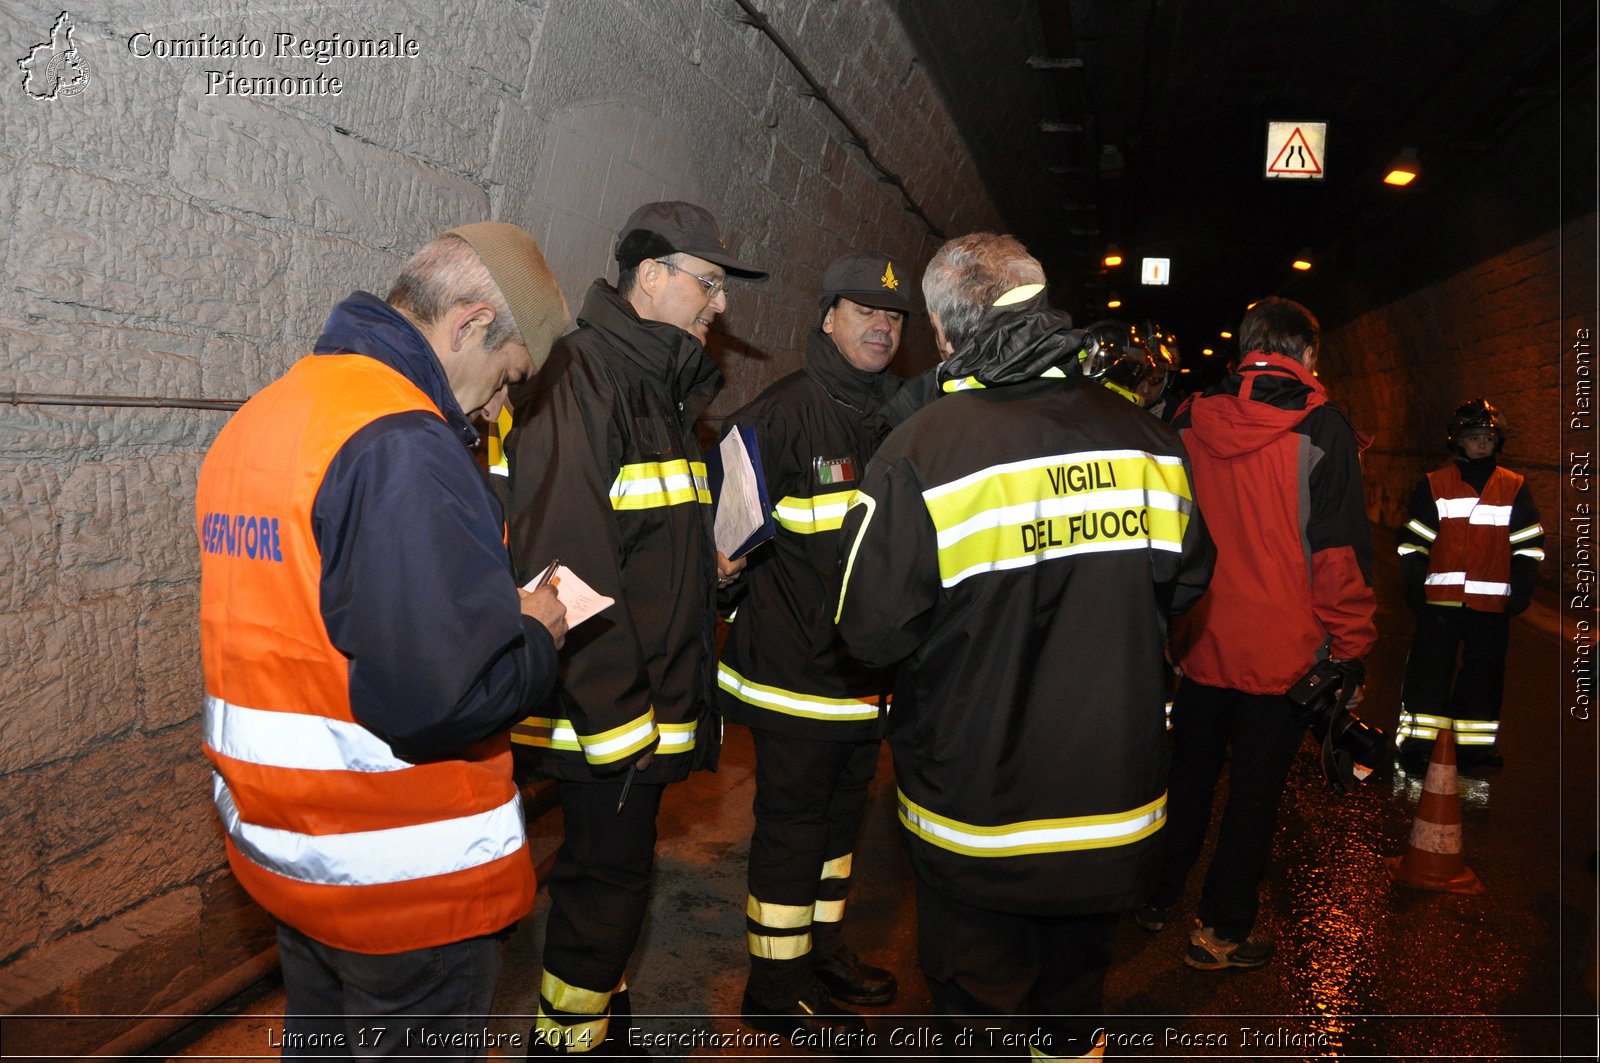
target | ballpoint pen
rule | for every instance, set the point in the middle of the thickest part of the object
(626, 782)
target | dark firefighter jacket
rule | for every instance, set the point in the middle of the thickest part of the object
(1277, 470)
(1015, 550)
(783, 667)
(606, 477)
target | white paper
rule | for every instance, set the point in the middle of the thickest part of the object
(582, 601)
(739, 503)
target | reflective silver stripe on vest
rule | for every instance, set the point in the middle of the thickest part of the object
(374, 857)
(294, 740)
(1470, 586)
(1473, 511)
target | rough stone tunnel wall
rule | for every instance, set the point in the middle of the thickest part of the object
(174, 239)
(1501, 329)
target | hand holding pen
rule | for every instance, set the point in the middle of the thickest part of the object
(544, 604)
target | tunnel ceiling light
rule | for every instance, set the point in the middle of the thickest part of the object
(1226, 335)
(1113, 257)
(1208, 352)
(1114, 301)
(1404, 169)
(1302, 261)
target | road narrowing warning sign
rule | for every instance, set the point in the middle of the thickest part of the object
(1295, 150)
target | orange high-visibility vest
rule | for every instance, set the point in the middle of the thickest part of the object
(1470, 561)
(326, 827)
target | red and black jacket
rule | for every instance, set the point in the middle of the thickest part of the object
(1277, 473)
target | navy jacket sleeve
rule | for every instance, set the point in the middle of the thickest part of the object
(417, 591)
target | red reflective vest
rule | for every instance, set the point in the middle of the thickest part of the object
(326, 827)
(1470, 561)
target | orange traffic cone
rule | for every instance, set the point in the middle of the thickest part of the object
(1434, 861)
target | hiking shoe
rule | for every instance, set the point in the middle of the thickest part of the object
(1208, 952)
(1152, 917)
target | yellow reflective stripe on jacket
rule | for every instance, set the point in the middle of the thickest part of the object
(820, 513)
(677, 737)
(1036, 835)
(607, 747)
(1020, 513)
(1410, 548)
(498, 431)
(871, 506)
(1532, 531)
(792, 703)
(972, 383)
(838, 867)
(1422, 529)
(652, 484)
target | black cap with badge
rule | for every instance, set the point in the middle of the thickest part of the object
(659, 229)
(867, 278)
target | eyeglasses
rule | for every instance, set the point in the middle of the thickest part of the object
(713, 288)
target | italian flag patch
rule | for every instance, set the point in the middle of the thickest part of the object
(834, 470)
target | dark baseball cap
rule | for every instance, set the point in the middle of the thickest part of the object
(659, 229)
(865, 277)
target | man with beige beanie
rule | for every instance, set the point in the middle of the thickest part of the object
(366, 651)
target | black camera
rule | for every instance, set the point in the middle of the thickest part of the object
(1351, 748)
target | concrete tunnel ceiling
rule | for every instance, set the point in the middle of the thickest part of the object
(1160, 140)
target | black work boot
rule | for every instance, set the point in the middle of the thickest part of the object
(810, 1022)
(846, 978)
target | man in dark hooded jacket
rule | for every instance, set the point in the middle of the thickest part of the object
(1277, 471)
(606, 478)
(1015, 551)
(816, 715)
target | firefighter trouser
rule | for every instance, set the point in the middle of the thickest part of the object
(1045, 974)
(1470, 705)
(1257, 736)
(599, 889)
(810, 797)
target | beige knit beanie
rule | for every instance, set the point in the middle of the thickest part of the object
(517, 266)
